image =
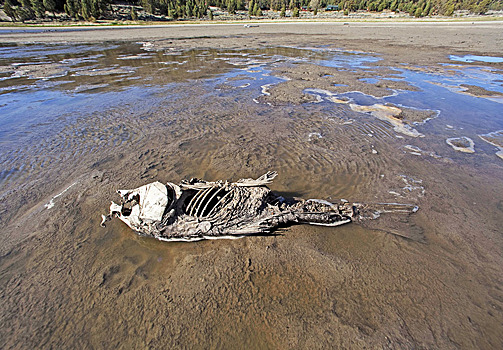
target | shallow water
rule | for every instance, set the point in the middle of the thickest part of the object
(476, 58)
(79, 121)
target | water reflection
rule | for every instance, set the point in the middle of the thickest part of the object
(47, 90)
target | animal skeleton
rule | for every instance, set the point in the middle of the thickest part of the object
(198, 209)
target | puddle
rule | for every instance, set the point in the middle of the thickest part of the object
(475, 58)
(347, 59)
(370, 80)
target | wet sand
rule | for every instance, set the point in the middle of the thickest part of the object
(434, 281)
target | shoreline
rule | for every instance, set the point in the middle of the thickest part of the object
(424, 43)
(112, 23)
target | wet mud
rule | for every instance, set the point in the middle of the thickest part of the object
(83, 120)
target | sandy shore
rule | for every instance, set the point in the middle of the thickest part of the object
(67, 283)
(415, 43)
(471, 36)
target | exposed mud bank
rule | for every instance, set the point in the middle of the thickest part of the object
(125, 114)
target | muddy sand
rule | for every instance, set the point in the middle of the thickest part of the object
(357, 111)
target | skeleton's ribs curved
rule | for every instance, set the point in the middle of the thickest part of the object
(202, 203)
(198, 204)
(209, 200)
(196, 200)
(187, 209)
(221, 201)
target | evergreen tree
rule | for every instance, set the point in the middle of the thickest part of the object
(163, 7)
(50, 5)
(276, 5)
(23, 13)
(134, 15)
(71, 8)
(38, 7)
(148, 5)
(482, 7)
(426, 9)
(449, 10)
(295, 12)
(27, 12)
(283, 12)
(231, 6)
(9, 11)
(85, 10)
(96, 9)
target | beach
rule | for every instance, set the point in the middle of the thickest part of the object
(372, 112)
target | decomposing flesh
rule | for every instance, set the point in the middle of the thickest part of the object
(198, 209)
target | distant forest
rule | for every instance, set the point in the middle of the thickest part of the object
(22, 10)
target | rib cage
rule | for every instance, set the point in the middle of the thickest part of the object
(207, 202)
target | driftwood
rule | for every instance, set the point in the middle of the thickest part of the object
(198, 209)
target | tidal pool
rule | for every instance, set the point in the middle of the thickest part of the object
(79, 121)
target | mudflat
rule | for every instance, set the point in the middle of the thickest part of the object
(400, 38)
(377, 112)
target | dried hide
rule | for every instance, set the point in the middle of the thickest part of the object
(198, 209)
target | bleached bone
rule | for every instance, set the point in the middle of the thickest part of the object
(203, 202)
(210, 200)
(246, 207)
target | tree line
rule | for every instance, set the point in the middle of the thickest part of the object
(22, 10)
